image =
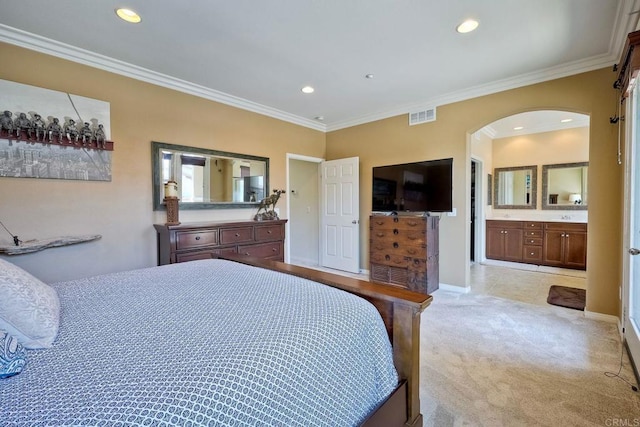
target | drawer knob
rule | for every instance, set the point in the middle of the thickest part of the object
(395, 231)
(274, 249)
(247, 253)
(268, 231)
(531, 253)
(197, 237)
(237, 234)
(387, 257)
(395, 244)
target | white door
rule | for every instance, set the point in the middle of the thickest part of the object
(631, 306)
(340, 217)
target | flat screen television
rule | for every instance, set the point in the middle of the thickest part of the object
(413, 187)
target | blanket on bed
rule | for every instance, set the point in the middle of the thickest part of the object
(211, 343)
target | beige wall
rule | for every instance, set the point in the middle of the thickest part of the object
(544, 148)
(393, 141)
(563, 146)
(121, 210)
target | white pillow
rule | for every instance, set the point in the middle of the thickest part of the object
(29, 308)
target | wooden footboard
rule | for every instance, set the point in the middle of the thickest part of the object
(400, 309)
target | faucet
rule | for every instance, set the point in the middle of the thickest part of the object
(565, 217)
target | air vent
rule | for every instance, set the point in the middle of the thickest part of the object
(423, 116)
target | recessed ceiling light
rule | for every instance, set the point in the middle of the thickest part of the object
(369, 76)
(566, 120)
(128, 15)
(307, 89)
(518, 128)
(467, 26)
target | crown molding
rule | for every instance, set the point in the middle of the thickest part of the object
(626, 21)
(569, 69)
(41, 44)
(489, 131)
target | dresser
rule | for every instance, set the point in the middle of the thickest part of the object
(554, 244)
(404, 252)
(204, 240)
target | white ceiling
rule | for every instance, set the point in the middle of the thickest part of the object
(535, 122)
(257, 55)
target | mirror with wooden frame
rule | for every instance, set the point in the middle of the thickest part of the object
(515, 187)
(564, 186)
(209, 179)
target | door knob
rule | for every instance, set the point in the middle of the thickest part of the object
(355, 221)
(634, 251)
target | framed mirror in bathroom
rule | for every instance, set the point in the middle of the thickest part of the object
(515, 187)
(564, 186)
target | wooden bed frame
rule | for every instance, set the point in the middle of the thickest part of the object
(400, 309)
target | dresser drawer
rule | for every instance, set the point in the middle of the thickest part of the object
(270, 232)
(535, 241)
(532, 225)
(196, 239)
(204, 254)
(264, 250)
(390, 259)
(414, 237)
(533, 233)
(236, 235)
(532, 254)
(395, 222)
(399, 248)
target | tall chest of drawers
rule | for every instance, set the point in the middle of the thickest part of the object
(193, 241)
(404, 252)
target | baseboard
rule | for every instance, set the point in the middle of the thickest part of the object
(303, 261)
(603, 317)
(633, 363)
(454, 288)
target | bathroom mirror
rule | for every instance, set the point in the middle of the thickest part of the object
(209, 179)
(515, 187)
(564, 186)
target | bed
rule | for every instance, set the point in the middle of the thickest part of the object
(224, 342)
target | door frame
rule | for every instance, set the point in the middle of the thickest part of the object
(287, 242)
(631, 149)
(480, 204)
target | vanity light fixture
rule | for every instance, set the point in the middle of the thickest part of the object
(128, 15)
(467, 26)
(307, 89)
(566, 120)
(518, 128)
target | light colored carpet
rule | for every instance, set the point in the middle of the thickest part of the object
(501, 356)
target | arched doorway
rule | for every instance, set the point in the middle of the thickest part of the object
(545, 139)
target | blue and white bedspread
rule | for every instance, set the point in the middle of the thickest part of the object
(204, 343)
